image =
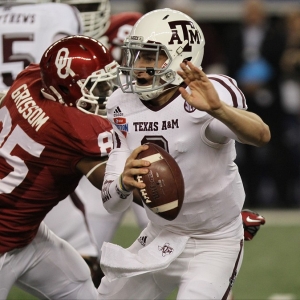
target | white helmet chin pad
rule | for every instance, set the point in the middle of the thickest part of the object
(172, 32)
(146, 93)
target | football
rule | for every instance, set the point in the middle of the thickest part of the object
(164, 191)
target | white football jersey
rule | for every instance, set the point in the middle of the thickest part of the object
(26, 31)
(214, 193)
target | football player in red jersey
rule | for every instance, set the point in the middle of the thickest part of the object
(119, 28)
(51, 135)
(167, 99)
(87, 231)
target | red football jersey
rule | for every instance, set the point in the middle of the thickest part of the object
(41, 141)
(119, 28)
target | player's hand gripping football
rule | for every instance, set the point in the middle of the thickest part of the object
(251, 223)
(134, 167)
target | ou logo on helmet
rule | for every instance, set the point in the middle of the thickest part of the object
(63, 63)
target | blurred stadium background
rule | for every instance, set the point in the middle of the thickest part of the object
(211, 10)
(271, 263)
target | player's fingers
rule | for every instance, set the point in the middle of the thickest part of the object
(184, 94)
(129, 178)
(190, 72)
(134, 166)
(194, 68)
(184, 66)
(137, 150)
(262, 220)
(198, 72)
(186, 71)
(138, 166)
(182, 74)
(184, 77)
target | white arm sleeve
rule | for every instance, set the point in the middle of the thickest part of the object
(114, 198)
(218, 132)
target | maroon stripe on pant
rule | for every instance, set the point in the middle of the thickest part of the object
(234, 272)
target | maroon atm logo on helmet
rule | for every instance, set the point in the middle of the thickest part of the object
(190, 34)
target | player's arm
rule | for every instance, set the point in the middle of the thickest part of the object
(93, 169)
(248, 127)
(119, 181)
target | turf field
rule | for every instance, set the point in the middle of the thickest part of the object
(271, 267)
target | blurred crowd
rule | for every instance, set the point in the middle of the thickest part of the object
(262, 53)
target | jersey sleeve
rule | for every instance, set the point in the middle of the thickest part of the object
(97, 140)
(228, 91)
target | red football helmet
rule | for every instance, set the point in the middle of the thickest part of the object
(78, 71)
(119, 28)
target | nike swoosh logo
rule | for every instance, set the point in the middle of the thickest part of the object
(248, 219)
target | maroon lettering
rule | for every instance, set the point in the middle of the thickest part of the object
(190, 35)
(145, 126)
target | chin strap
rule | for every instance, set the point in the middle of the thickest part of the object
(147, 95)
(47, 95)
(170, 88)
(154, 94)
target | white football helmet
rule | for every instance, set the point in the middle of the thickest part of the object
(95, 15)
(167, 30)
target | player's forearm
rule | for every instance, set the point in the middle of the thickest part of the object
(114, 198)
(248, 126)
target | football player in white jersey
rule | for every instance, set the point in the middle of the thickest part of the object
(197, 119)
(27, 28)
